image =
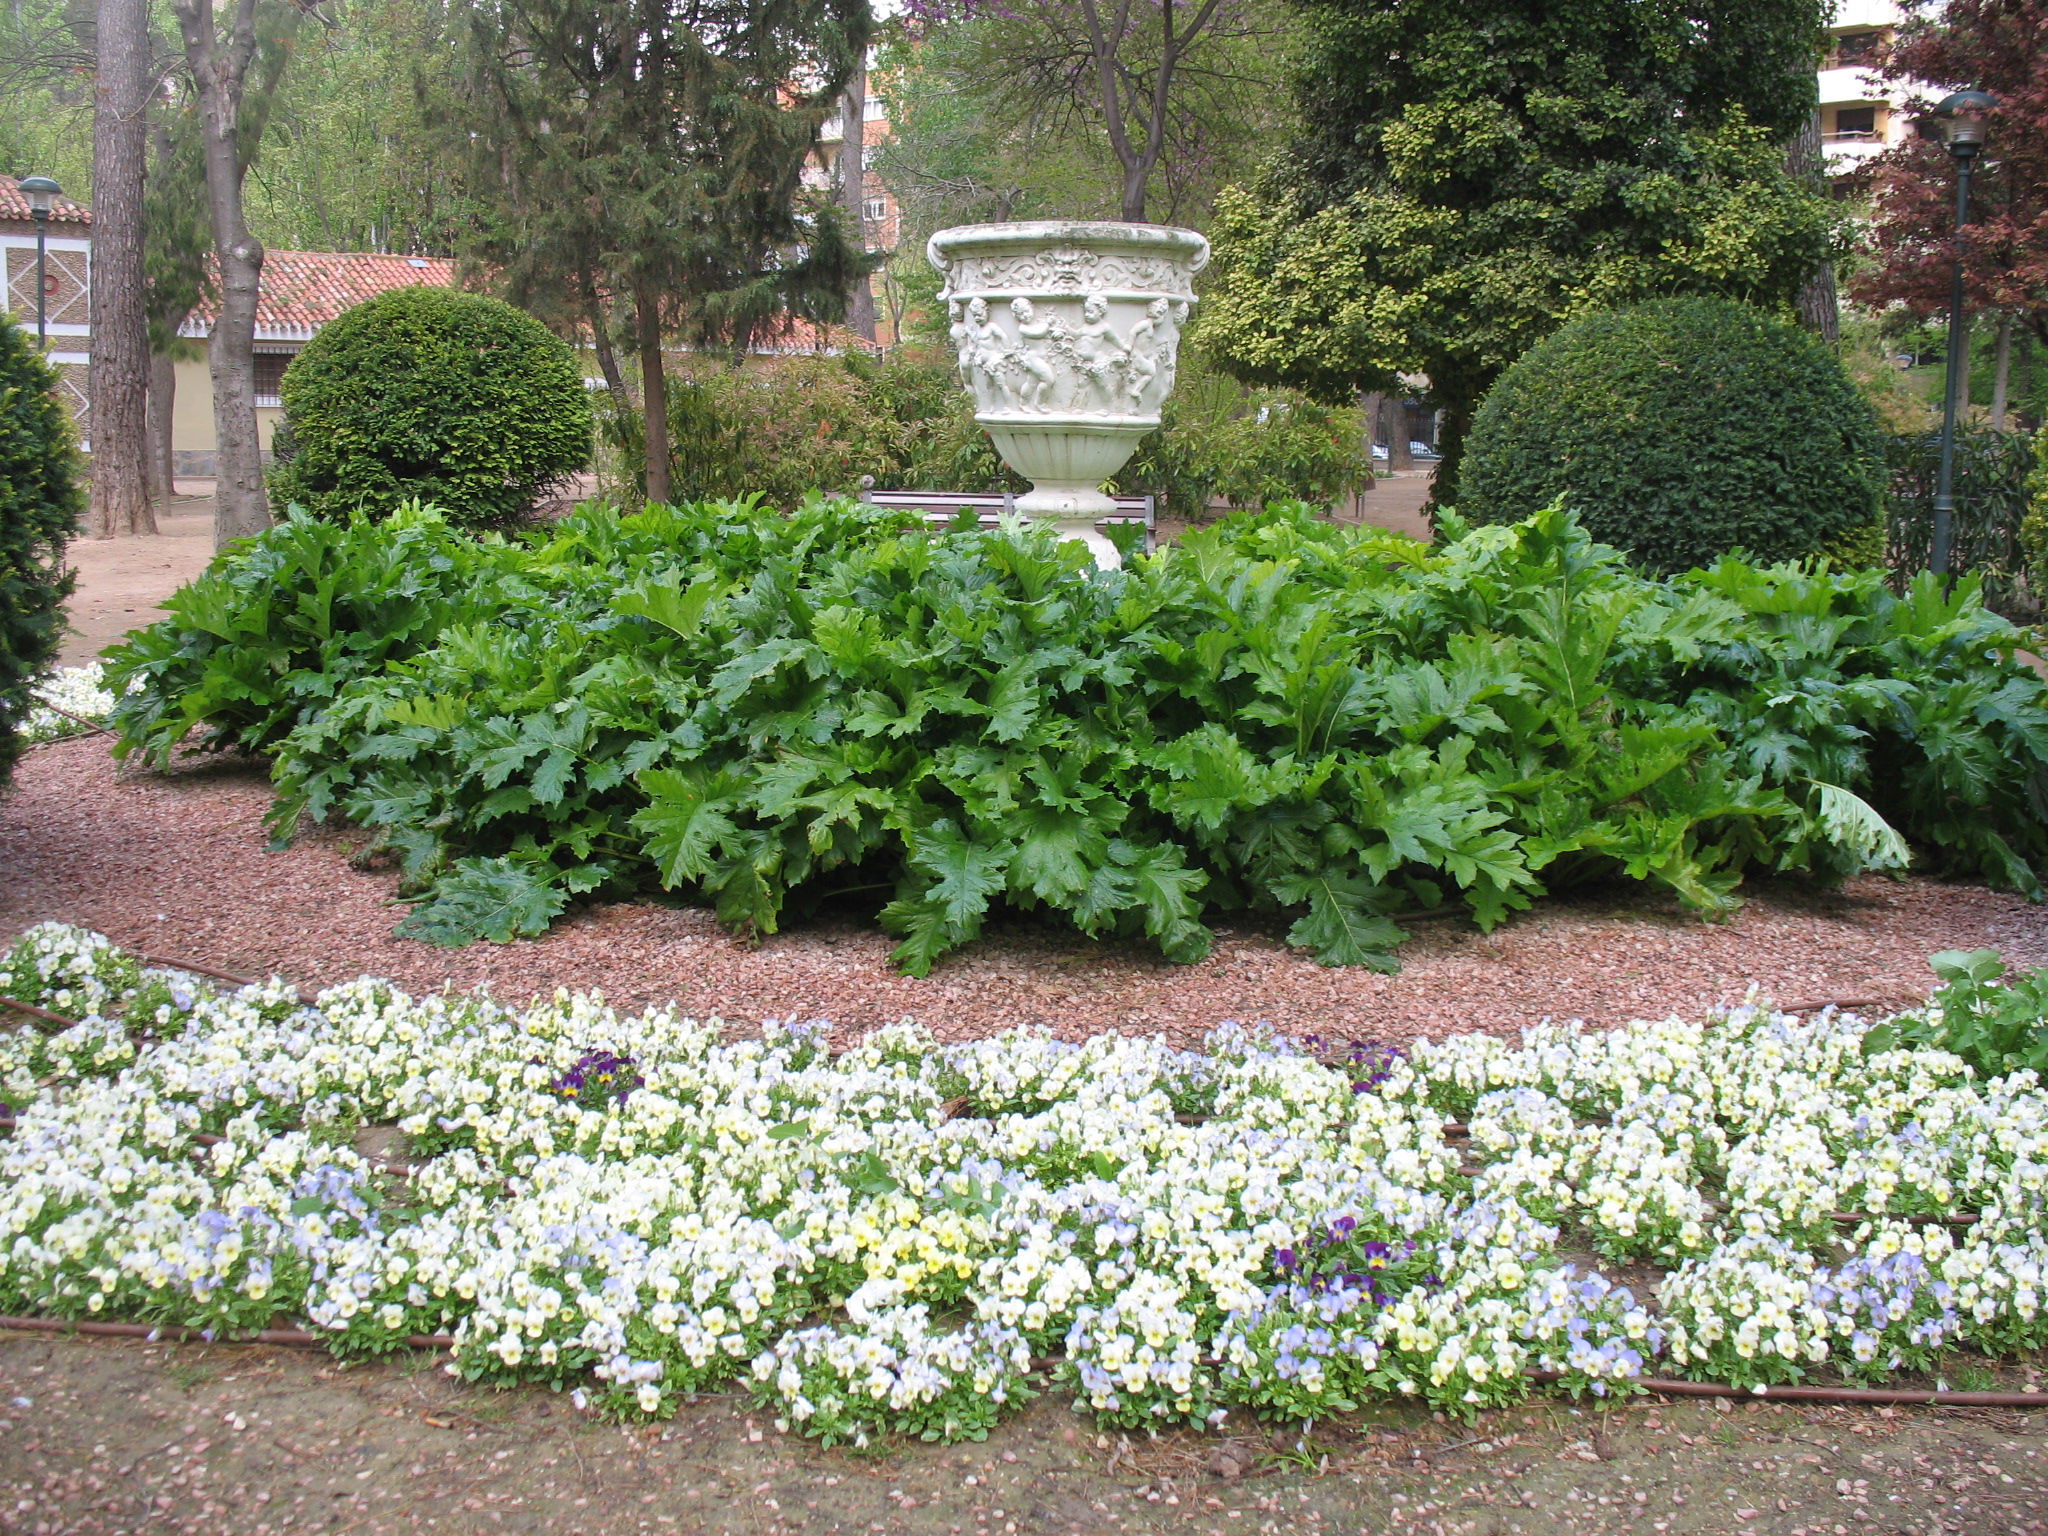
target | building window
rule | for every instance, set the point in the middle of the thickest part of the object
(1855, 47)
(270, 368)
(1855, 124)
(875, 209)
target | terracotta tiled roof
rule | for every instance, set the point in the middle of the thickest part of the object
(303, 290)
(790, 335)
(14, 206)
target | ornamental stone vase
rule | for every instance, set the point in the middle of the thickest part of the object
(1067, 335)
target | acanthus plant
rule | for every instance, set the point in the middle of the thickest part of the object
(1275, 716)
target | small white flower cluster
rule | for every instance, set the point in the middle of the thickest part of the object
(894, 1372)
(70, 701)
(883, 1240)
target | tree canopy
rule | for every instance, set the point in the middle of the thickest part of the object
(1471, 173)
(2000, 46)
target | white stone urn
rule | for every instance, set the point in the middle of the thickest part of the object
(1068, 334)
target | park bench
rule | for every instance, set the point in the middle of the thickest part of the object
(942, 507)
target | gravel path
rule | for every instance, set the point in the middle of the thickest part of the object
(178, 866)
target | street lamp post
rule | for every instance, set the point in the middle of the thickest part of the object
(41, 192)
(1963, 115)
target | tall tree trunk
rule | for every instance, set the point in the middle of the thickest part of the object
(601, 343)
(653, 391)
(120, 323)
(1395, 415)
(163, 390)
(1820, 309)
(2001, 370)
(860, 302)
(220, 65)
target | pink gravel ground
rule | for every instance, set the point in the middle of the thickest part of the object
(179, 866)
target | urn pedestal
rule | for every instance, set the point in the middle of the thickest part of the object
(1068, 334)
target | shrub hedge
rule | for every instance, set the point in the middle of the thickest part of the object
(1678, 430)
(431, 392)
(40, 501)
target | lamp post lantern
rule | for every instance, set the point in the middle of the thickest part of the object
(41, 192)
(1962, 117)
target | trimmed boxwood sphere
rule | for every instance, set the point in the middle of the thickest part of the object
(454, 398)
(1678, 430)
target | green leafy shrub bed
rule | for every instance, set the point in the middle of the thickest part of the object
(909, 1238)
(1274, 716)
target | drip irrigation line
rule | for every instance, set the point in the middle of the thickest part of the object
(1876, 1396)
(294, 1338)
(92, 728)
(298, 1338)
(44, 1014)
(166, 963)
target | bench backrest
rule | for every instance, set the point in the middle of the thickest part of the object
(944, 506)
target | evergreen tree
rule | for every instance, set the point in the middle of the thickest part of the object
(651, 154)
(1473, 172)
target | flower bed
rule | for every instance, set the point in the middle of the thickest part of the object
(908, 1238)
(69, 702)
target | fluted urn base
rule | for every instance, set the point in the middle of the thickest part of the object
(1066, 462)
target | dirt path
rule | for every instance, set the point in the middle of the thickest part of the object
(121, 582)
(209, 1440)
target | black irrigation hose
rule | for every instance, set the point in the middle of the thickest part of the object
(296, 1338)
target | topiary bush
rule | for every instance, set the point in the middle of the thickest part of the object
(435, 394)
(1678, 430)
(40, 501)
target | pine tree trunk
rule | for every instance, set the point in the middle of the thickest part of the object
(120, 324)
(653, 392)
(860, 302)
(220, 64)
(2001, 370)
(163, 391)
(1820, 309)
(601, 343)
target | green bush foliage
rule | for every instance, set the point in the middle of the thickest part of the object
(2034, 522)
(785, 427)
(40, 501)
(1997, 1023)
(1218, 439)
(1987, 532)
(782, 428)
(432, 393)
(1333, 725)
(1679, 430)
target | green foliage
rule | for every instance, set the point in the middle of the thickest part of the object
(2034, 523)
(783, 428)
(40, 502)
(429, 393)
(1996, 1024)
(1218, 439)
(1677, 430)
(1987, 530)
(1470, 176)
(1329, 726)
(267, 637)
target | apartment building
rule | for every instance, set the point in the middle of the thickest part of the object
(1859, 117)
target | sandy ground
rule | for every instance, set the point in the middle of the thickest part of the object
(250, 1440)
(122, 581)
